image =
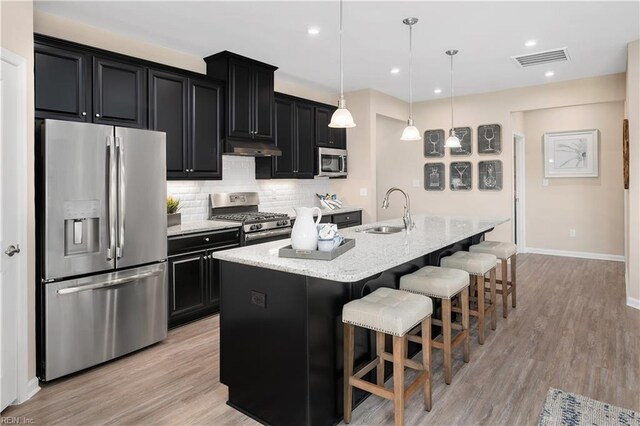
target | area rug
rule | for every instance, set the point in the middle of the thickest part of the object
(566, 408)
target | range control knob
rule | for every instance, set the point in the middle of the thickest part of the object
(259, 226)
(253, 227)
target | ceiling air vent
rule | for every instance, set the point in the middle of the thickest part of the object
(539, 58)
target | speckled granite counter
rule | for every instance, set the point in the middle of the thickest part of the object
(373, 253)
(200, 226)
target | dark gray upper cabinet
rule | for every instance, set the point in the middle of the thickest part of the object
(188, 111)
(284, 165)
(168, 112)
(62, 83)
(250, 99)
(326, 136)
(119, 93)
(294, 135)
(205, 143)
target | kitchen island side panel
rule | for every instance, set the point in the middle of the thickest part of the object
(263, 341)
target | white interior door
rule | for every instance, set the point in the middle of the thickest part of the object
(518, 192)
(10, 277)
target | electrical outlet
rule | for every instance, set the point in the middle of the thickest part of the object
(572, 232)
(259, 299)
(363, 192)
(545, 182)
(416, 183)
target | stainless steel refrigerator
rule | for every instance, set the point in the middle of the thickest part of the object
(102, 243)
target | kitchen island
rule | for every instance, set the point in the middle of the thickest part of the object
(280, 318)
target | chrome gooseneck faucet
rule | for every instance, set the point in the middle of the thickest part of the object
(408, 222)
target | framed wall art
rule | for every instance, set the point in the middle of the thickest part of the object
(625, 153)
(571, 154)
(464, 134)
(490, 139)
(434, 179)
(490, 175)
(434, 143)
(460, 176)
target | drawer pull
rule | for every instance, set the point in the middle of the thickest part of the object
(206, 239)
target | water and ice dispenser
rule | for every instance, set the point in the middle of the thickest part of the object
(81, 227)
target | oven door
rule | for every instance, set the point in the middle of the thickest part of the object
(266, 236)
(332, 162)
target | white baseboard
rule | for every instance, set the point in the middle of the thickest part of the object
(634, 303)
(33, 386)
(579, 254)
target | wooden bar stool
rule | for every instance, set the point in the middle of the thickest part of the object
(394, 312)
(445, 284)
(505, 252)
(477, 265)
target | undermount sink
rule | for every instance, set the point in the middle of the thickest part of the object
(384, 230)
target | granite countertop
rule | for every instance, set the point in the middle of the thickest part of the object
(292, 213)
(373, 253)
(200, 226)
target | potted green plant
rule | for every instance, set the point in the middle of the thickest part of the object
(173, 217)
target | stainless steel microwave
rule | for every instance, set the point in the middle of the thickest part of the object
(332, 162)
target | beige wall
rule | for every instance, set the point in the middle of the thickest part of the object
(475, 110)
(633, 194)
(56, 26)
(17, 36)
(591, 206)
(365, 106)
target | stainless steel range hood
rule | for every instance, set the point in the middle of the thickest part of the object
(251, 149)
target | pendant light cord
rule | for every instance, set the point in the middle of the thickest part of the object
(341, 71)
(410, 72)
(451, 94)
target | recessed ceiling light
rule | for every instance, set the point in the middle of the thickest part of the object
(549, 74)
(437, 91)
(531, 43)
(395, 70)
(313, 30)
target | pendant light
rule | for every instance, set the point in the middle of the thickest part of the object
(341, 118)
(411, 132)
(452, 140)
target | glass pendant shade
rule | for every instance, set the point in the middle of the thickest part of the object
(452, 141)
(342, 118)
(410, 133)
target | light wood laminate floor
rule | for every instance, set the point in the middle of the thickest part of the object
(571, 330)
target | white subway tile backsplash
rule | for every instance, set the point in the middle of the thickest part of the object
(239, 175)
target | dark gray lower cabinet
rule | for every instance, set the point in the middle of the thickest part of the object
(344, 220)
(194, 275)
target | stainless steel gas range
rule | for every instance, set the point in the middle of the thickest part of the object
(257, 227)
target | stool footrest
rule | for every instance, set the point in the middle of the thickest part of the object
(454, 343)
(381, 391)
(367, 368)
(409, 363)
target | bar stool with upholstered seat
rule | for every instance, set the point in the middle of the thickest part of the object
(505, 252)
(444, 284)
(477, 265)
(394, 312)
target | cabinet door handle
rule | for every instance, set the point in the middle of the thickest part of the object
(97, 115)
(206, 239)
(84, 113)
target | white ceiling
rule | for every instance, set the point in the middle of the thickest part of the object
(375, 40)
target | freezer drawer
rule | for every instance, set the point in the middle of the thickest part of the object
(94, 319)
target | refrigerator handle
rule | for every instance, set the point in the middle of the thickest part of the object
(121, 198)
(111, 196)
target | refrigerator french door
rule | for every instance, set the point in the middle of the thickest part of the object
(102, 244)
